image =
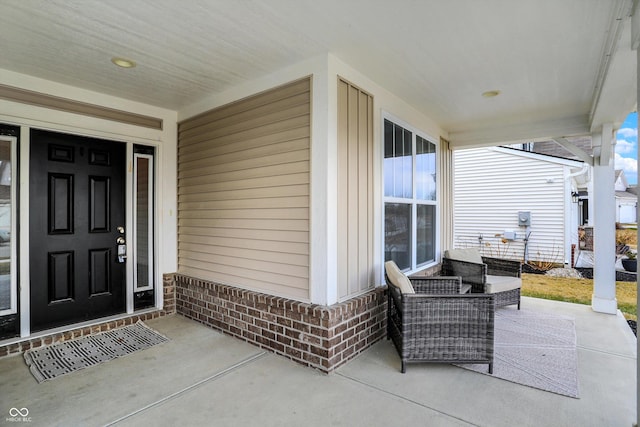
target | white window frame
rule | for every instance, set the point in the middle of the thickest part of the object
(413, 201)
(13, 306)
(150, 223)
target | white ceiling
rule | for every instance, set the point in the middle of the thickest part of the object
(545, 56)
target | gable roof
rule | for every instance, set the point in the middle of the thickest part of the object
(620, 181)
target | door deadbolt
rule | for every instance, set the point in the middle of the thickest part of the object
(122, 249)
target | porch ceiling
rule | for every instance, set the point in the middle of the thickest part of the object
(563, 67)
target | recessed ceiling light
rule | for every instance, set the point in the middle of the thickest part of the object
(490, 93)
(123, 62)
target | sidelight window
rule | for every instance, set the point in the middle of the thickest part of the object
(8, 247)
(143, 209)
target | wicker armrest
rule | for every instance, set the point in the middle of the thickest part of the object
(503, 267)
(394, 293)
(472, 273)
(437, 285)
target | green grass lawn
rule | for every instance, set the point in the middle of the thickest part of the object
(578, 291)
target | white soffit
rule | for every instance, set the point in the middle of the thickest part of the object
(544, 56)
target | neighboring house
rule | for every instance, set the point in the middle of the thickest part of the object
(584, 143)
(626, 200)
(493, 186)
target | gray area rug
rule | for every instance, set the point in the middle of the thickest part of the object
(535, 349)
(46, 363)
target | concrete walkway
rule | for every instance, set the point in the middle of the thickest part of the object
(204, 378)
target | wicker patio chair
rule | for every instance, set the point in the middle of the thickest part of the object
(501, 277)
(430, 320)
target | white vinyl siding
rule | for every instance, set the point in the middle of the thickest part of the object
(491, 187)
(243, 193)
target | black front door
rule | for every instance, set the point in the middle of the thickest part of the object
(77, 206)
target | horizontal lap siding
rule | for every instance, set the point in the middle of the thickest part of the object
(243, 193)
(492, 187)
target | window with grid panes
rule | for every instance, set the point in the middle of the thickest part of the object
(410, 197)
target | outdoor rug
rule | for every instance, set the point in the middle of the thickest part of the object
(535, 349)
(46, 363)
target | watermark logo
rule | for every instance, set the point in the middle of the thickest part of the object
(18, 415)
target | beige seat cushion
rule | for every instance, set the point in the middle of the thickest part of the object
(501, 283)
(397, 278)
(468, 255)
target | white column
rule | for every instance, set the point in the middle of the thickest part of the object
(591, 203)
(604, 228)
(635, 44)
(324, 226)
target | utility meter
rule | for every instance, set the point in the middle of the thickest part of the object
(524, 218)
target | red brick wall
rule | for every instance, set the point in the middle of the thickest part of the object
(316, 336)
(169, 290)
(586, 238)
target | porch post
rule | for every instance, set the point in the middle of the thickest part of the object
(324, 225)
(604, 219)
(635, 44)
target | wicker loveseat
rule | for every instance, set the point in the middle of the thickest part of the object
(501, 277)
(430, 320)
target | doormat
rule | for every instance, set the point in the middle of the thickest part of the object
(53, 361)
(535, 349)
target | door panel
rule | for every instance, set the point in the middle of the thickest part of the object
(60, 282)
(77, 202)
(60, 203)
(99, 197)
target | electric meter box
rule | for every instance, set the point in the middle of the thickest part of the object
(524, 219)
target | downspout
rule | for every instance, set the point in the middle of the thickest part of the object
(585, 168)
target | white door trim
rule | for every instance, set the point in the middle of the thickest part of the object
(25, 280)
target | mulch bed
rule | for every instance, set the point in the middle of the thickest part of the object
(587, 273)
(633, 325)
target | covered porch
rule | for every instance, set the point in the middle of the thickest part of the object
(203, 377)
(270, 125)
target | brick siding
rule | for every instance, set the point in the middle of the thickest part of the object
(317, 336)
(586, 238)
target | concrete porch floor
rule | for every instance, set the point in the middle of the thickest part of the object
(202, 377)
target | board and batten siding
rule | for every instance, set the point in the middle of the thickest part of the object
(355, 191)
(445, 196)
(243, 192)
(491, 187)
